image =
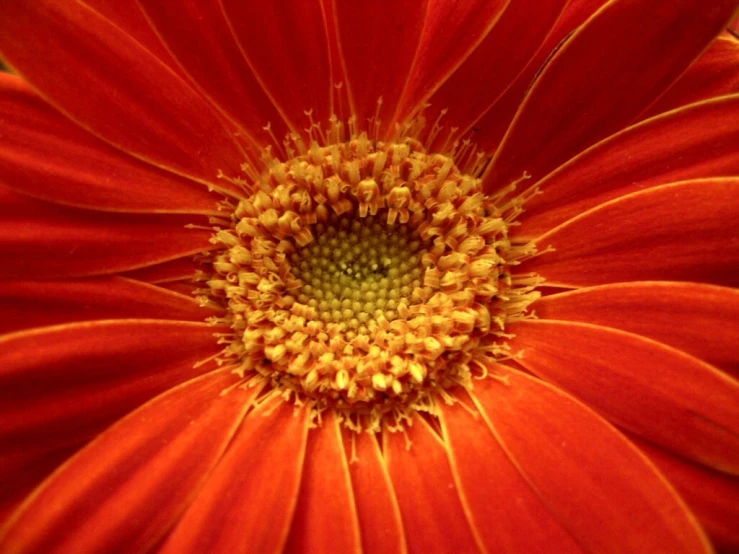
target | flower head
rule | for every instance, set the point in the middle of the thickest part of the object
(369, 276)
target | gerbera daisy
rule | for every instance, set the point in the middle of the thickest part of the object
(387, 276)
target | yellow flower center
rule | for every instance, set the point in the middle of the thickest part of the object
(367, 278)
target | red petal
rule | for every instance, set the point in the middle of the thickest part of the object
(491, 127)
(485, 75)
(677, 232)
(598, 485)
(660, 393)
(45, 155)
(111, 85)
(694, 142)
(434, 517)
(41, 240)
(377, 506)
(287, 50)
(216, 64)
(249, 501)
(326, 517)
(493, 490)
(129, 486)
(600, 81)
(378, 41)
(715, 73)
(61, 385)
(451, 32)
(26, 304)
(707, 315)
(712, 496)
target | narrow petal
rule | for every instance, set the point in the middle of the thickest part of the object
(287, 49)
(126, 489)
(50, 241)
(26, 304)
(47, 156)
(179, 269)
(659, 393)
(694, 142)
(326, 517)
(485, 75)
(715, 73)
(61, 385)
(434, 517)
(493, 490)
(451, 32)
(127, 97)
(598, 83)
(598, 484)
(248, 502)
(679, 232)
(711, 495)
(695, 318)
(378, 41)
(216, 64)
(377, 506)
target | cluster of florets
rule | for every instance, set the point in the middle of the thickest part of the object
(363, 275)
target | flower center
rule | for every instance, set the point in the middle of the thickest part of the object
(367, 278)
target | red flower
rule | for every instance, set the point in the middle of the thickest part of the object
(388, 349)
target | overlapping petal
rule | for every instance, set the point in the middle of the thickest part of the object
(569, 108)
(34, 303)
(692, 317)
(679, 232)
(697, 141)
(593, 480)
(50, 241)
(326, 516)
(248, 503)
(420, 470)
(128, 97)
(47, 156)
(656, 391)
(142, 468)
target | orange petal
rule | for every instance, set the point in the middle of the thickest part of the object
(590, 477)
(216, 64)
(485, 75)
(179, 269)
(111, 85)
(660, 393)
(248, 502)
(130, 485)
(706, 315)
(451, 32)
(693, 142)
(715, 73)
(326, 517)
(598, 82)
(62, 385)
(45, 155)
(26, 304)
(493, 490)
(40, 240)
(377, 506)
(711, 495)
(378, 41)
(287, 50)
(433, 515)
(676, 232)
